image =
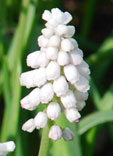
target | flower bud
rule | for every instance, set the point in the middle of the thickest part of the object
(32, 59)
(82, 85)
(71, 73)
(80, 96)
(42, 60)
(46, 15)
(68, 100)
(74, 43)
(53, 70)
(66, 45)
(32, 100)
(52, 22)
(39, 78)
(80, 105)
(57, 14)
(75, 58)
(68, 135)
(61, 29)
(6, 147)
(55, 133)
(70, 31)
(54, 41)
(53, 111)
(47, 32)
(46, 93)
(66, 18)
(72, 114)
(60, 86)
(63, 58)
(84, 69)
(26, 78)
(29, 126)
(42, 41)
(40, 120)
(51, 53)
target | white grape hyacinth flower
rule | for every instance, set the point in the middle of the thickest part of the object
(6, 147)
(60, 76)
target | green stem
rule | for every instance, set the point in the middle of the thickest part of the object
(44, 145)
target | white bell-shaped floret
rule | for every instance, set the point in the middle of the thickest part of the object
(68, 135)
(67, 45)
(71, 73)
(26, 79)
(32, 100)
(61, 29)
(82, 85)
(63, 58)
(40, 120)
(42, 41)
(53, 70)
(53, 23)
(57, 14)
(53, 111)
(70, 31)
(32, 59)
(42, 60)
(6, 147)
(54, 41)
(84, 69)
(68, 100)
(80, 105)
(29, 126)
(47, 32)
(55, 133)
(39, 78)
(72, 114)
(80, 96)
(80, 52)
(51, 53)
(74, 43)
(60, 86)
(46, 93)
(46, 15)
(66, 18)
(75, 57)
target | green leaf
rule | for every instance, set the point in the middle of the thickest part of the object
(94, 119)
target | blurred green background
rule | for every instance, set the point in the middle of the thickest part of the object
(20, 25)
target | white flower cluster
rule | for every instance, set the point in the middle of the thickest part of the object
(59, 71)
(6, 147)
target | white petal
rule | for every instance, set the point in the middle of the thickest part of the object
(55, 133)
(32, 59)
(80, 96)
(51, 53)
(60, 86)
(72, 114)
(84, 69)
(40, 120)
(29, 126)
(80, 105)
(71, 73)
(66, 18)
(53, 111)
(42, 60)
(53, 70)
(46, 93)
(75, 57)
(26, 79)
(46, 15)
(63, 58)
(32, 100)
(82, 85)
(6, 147)
(47, 32)
(40, 77)
(54, 41)
(42, 41)
(68, 100)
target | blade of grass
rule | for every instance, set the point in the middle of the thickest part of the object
(94, 119)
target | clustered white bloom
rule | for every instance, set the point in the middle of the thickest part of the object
(59, 71)
(6, 147)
